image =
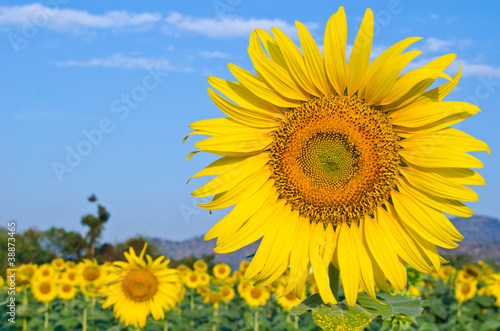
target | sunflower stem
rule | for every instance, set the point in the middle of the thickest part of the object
(296, 324)
(46, 322)
(25, 303)
(334, 276)
(84, 319)
(256, 321)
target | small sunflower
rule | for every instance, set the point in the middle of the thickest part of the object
(45, 271)
(227, 293)
(44, 289)
(204, 279)
(138, 288)
(221, 271)
(192, 279)
(58, 264)
(90, 272)
(26, 273)
(200, 266)
(255, 296)
(66, 290)
(493, 285)
(465, 291)
(71, 276)
(446, 271)
(468, 274)
(351, 163)
(214, 298)
(288, 301)
(70, 265)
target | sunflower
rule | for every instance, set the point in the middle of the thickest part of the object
(333, 162)
(214, 298)
(288, 301)
(221, 271)
(200, 266)
(468, 274)
(66, 290)
(446, 271)
(70, 265)
(138, 288)
(227, 293)
(58, 264)
(71, 276)
(465, 291)
(90, 272)
(204, 279)
(255, 296)
(26, 273)
(44, 289)
(45, 271)
(493, 285)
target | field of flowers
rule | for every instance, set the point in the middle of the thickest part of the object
(137, 294)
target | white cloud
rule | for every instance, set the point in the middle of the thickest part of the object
(225, 27)
(472, 69)
(434, 16)
(214, 54)
(435, 45)
(119, 60)
(71, 20)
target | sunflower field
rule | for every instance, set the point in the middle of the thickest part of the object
(145, 294)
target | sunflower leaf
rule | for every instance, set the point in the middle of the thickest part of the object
(307, 305)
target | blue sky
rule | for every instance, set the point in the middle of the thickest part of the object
(98, 95)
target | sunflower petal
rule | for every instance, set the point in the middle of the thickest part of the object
(348, 263)
(360, 55)
(335, 46)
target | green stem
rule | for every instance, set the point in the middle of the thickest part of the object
(334, 276)
(25, 303)
(296, 325)
(165, 327)
(256, 321)
(46, 322)
(84, 319)
(192, 306)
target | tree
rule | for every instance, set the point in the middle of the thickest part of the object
(96, 226)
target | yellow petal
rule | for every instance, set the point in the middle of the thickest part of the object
(430, 113)
(242, 96)
(334, 48)
(271, 47)
(313, 59)
(389, 54)
(437, 185)
(384, 254)
(439, 65)
(243, 115)
(331, 238)
(427, 247)
(242, 143)
(240, 192)
(299, 257)
(382, 82)
(231, 178)
(252, 230)
(367, 278)
(410, 82)
(349, 264)
(449, 137)
(401, 240)
(295, 62)
(258, 87)
(276, 76)
(448, 206)
(429, 223)
(320, 272)
(438, 156)
(360, 54)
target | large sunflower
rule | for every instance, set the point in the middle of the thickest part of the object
(138, 288)
(350, 163)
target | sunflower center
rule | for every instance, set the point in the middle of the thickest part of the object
(291, 296)
(45, 273)
(45, 287)
(335, 159)
(140, 285)
(466, 289)
(91, 273)
(66, 288)
(255, 293)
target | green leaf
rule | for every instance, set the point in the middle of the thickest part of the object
(390, 305)
(330, 318)
(307, 305)
(490, 326)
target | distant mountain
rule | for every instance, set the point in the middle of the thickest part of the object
(482, 240)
